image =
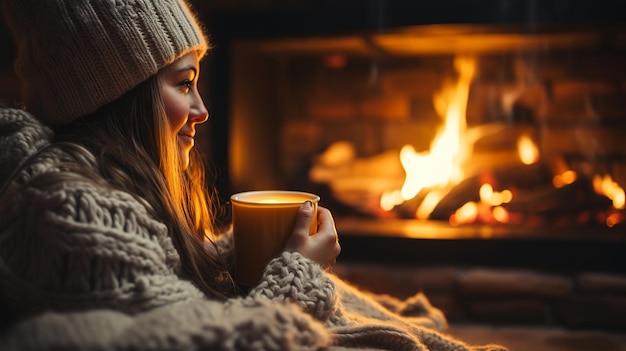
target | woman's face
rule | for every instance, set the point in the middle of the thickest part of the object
(183, 104)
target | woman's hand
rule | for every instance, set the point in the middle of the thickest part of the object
(321, 247)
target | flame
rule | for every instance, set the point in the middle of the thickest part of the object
(440, 165)
(428, 204)
(604, 185)
(494, 198)
(527, 150)
(390, 199)
(565, 178)
(468, 213)
(488, 209)
(500, 214)
(426, 169)
(613, 219)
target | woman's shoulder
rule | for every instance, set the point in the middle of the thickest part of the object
(15, 119)
(59, 181)
(54, 186)
(21, 136)
(31, 163)
(58, 213)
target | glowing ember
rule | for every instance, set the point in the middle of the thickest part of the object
(607, 187)
(528, 152)
(613, 219)
(563, 179)
(468, 213)
(488, 210)
(500, 214)
(428, 204)
(494, 198)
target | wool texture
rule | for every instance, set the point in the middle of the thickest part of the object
(86, 267)
(76, 56)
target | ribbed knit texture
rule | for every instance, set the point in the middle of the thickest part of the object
(75, 56)
(83, 267)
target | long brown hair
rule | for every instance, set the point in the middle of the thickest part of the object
(131, 141)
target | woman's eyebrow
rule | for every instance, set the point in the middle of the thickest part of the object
(189, 68)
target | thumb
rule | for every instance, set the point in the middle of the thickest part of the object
(304, 218)
(301, 227)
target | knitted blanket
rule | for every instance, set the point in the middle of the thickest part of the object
(85, 267)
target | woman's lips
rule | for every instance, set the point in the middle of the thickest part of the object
(186, 138)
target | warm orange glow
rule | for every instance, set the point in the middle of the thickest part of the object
(607, 187)
(613, 219)
(507, 196)
(527, 150)
(428, 205)
(426, 169)
(619, 201)
(466, 214)
(494, 198)
(390, 199)
(335, 61)
(565, 178)
(500, 214)
(485, 192)
(488, 210)
(441, 165)
(569, 177)
(433, 173)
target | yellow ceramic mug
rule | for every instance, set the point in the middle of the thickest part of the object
(262, 224)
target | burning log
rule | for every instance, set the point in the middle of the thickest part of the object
(570, 200)
(534, 198)
(519, 179)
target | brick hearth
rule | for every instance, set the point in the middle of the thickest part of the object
(584, 299)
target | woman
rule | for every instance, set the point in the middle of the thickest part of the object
(106, 235)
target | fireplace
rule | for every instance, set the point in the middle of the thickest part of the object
(506, 116)
(493, 135)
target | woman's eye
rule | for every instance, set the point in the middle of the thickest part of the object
(185, 86)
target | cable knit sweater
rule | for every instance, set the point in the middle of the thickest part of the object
(84, 267)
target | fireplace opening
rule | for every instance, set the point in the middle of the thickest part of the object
(469, 131)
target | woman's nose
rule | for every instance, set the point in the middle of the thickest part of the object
(198, 112)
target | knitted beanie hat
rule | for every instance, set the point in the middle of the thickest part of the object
(75, 56)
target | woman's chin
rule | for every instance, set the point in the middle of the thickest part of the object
(184, 159)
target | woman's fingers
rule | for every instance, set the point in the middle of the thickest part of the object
(325, 242)
(325, 222)
(323, 246)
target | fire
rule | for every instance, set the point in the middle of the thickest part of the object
(426, 169)
(527, 150)
(488, 209)
(433, 174)
(604, 185)
(494, 198)
(565, 178)
(468, 213)
(441, 165)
